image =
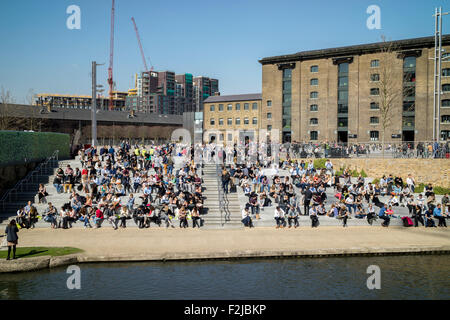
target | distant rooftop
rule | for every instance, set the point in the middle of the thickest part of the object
(408, 44)
(236, 97)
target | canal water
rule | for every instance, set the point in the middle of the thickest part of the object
(402, 277)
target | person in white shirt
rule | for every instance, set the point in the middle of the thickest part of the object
(279, 217)
(410, 182)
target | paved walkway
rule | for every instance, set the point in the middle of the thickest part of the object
(158, 243)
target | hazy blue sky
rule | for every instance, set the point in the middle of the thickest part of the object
(221, 39)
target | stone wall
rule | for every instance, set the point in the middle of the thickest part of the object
(435, 171)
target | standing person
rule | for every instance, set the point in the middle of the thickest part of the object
(195, 218)
(370, 214)
(225, 180)
(307, 200)
(12, 238)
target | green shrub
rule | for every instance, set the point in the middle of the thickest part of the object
(419, 188)
(319, 163)
(363, 173)
(18, 147)
(375, 181)
(441, 190)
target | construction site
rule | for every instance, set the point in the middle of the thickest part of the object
(160, 92)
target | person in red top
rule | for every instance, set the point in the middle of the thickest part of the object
(98, 218)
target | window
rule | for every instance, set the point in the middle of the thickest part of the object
(313, 108)
(375, 92)
(374, 120)
(445, 119)
(230, 136)
(221, 137)
(343, 81)
(221, 122)
(254, 106)
(211, 108)
(229, 107)
(246, 121)
(212, 122)
(269, 115)
(220, 107)
(374, 63)
(269, 103)
(255, 120)
(446, 87)
(269, 128)
(342, 108)
(445, 103)
(375, 77)
(286, 98)
(314, 68)
(314, 82)
(374, 106)
(374, 135)
(343, 67)
(246, 106)
(313, 135)
(313, 121)
(343, 95)
(238, 121)
(445, 135)
(314, 95)
(287, 85)
(287, 73)
(342, 122)
(238, 106)
(409, 62)
(229, 121)
(408, 106)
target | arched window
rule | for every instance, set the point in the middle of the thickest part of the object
(314, 121)
(313, 135)
(314, 95)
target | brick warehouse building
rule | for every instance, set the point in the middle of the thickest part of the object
(334, 94)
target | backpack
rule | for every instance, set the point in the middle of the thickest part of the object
(407, 222)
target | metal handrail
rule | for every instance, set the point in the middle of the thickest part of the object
(220, 191)
(20, 184)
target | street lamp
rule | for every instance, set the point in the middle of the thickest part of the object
(94, 101)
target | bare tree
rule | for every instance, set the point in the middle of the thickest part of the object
(34, 121)
(7, 121)
(389, 85)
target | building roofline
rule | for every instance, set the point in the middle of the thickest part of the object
(414, 43)
(235, 97)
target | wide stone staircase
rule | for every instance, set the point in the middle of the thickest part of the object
(230, 217)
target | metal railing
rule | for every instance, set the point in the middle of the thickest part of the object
(31, 178)
(421, 150)
(220, 193)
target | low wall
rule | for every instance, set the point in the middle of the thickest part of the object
(435, 171)
(18, 147)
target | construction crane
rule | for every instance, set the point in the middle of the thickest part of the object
(111, 60)
(140, 45)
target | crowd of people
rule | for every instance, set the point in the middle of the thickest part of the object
(118, 184)
(302, 191)
(121, 184)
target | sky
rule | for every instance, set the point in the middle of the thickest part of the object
(213, 38)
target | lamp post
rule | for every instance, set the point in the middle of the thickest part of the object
(94, 102)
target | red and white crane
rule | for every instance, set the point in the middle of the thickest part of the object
(111, 60)
(140, 45)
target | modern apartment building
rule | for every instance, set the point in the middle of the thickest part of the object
(340, 94)
(203, 88)
(233, 118)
